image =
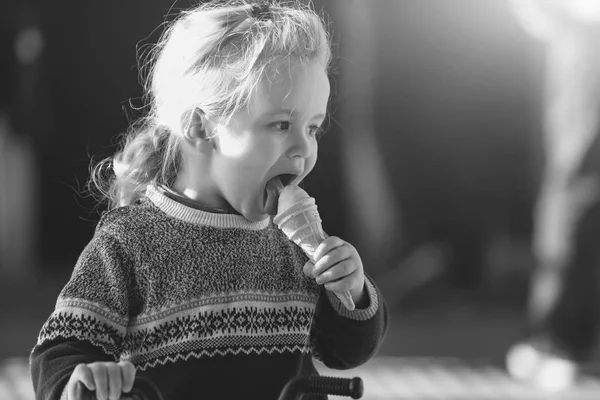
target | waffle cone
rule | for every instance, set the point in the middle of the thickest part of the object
(301, 223)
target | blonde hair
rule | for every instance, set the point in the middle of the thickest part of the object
(211, 58)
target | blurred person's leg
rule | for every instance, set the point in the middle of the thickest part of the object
(565, 300)
(572, 323)
(565, 285)
(17, 205)
(564, 308)
(3, 181)
(23, 115)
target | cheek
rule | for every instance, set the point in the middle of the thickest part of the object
(233, 147)
(255, 159)
(246, 151)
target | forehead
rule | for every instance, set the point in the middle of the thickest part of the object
(301, 87)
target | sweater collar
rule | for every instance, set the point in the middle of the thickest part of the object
(195, 216)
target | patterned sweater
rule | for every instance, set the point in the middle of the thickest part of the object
(201, 303)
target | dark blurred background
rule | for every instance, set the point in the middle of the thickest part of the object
(448, 95)
(431, 166)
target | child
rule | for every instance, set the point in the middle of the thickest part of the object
(186, 280)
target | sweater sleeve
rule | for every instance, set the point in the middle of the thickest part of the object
(52, 365)
(90, 319)
(344, 339)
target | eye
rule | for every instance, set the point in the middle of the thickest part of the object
(282, 126)
(316, 131)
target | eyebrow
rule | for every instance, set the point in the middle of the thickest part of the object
(291, 112)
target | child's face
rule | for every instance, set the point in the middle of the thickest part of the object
(275, 135)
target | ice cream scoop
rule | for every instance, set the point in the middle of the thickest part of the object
(289, 195)
(298, 217)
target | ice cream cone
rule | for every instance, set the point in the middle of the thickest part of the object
(301, 223)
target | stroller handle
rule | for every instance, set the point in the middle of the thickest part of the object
(348, 387)
(143, 389)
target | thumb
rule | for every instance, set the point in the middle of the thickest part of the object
(308, 269)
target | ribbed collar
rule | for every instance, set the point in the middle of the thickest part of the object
(194, 216)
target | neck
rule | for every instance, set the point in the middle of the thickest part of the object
(186, 213)
(196, 189)
(189, 201)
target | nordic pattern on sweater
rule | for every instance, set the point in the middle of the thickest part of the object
(162, 282)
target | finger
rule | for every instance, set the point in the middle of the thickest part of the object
(128, 375)
(338, 271)
(76, 390)
(101, 380)
(115, 382)
(308, 269)
(345, 284)
(81, 375)
(326, 246)
(333, 257)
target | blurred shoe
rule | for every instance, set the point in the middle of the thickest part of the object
(542, 365)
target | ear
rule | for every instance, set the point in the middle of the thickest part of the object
(195, 130)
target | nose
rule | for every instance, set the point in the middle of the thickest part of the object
(300, 144)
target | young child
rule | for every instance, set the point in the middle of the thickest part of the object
(187, 280)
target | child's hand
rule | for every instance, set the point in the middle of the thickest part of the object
(339, 267)
(108, 379)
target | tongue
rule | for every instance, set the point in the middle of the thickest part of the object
(272, 190)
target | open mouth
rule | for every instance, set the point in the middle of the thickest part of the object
(286, 179)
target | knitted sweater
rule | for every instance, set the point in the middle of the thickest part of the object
(201, 303)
